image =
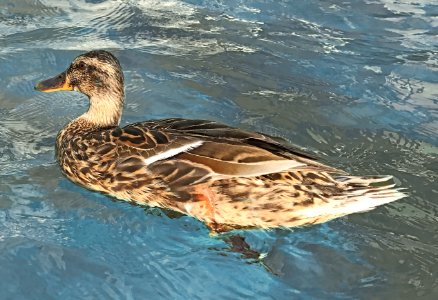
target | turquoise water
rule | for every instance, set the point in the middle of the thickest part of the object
(354, 81)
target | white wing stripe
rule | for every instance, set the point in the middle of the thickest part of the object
(172, 152)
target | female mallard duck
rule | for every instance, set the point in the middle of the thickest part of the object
(226, 177)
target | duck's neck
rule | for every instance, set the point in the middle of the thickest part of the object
(105, 110)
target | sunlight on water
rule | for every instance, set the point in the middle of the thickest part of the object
(355, 82)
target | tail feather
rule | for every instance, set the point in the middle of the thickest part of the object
(360, 194)
(363, 180)
(302, 198)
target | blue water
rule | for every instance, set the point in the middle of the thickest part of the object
(354, 81)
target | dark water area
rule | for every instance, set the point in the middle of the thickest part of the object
(355, 82)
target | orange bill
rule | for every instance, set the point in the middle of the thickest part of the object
(57, 83)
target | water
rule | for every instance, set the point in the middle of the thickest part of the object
(356, 82)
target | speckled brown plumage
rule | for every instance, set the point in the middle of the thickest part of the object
(226, 177)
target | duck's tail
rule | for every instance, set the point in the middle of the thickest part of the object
(298, 198)
(359, 194)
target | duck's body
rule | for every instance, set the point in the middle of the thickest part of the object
(226, 177)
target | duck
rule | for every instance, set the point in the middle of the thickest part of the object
(226, 177)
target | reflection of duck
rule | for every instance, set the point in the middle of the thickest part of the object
(226, 177)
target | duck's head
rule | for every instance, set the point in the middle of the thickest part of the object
(98, 75)
(94, 73)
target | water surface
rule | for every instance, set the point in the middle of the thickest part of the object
(355, 82)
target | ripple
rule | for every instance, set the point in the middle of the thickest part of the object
(355, 83)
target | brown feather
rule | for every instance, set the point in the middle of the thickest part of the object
(224, 176)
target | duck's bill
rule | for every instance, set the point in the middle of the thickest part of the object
(57, 83)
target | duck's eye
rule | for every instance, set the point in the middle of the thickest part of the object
(82, 66)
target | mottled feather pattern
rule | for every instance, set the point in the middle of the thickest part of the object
(227, 177)
(112, 161)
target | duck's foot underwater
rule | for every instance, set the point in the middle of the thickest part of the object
(239, 245)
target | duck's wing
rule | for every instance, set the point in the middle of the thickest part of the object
(187, 152)
(232, 145)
